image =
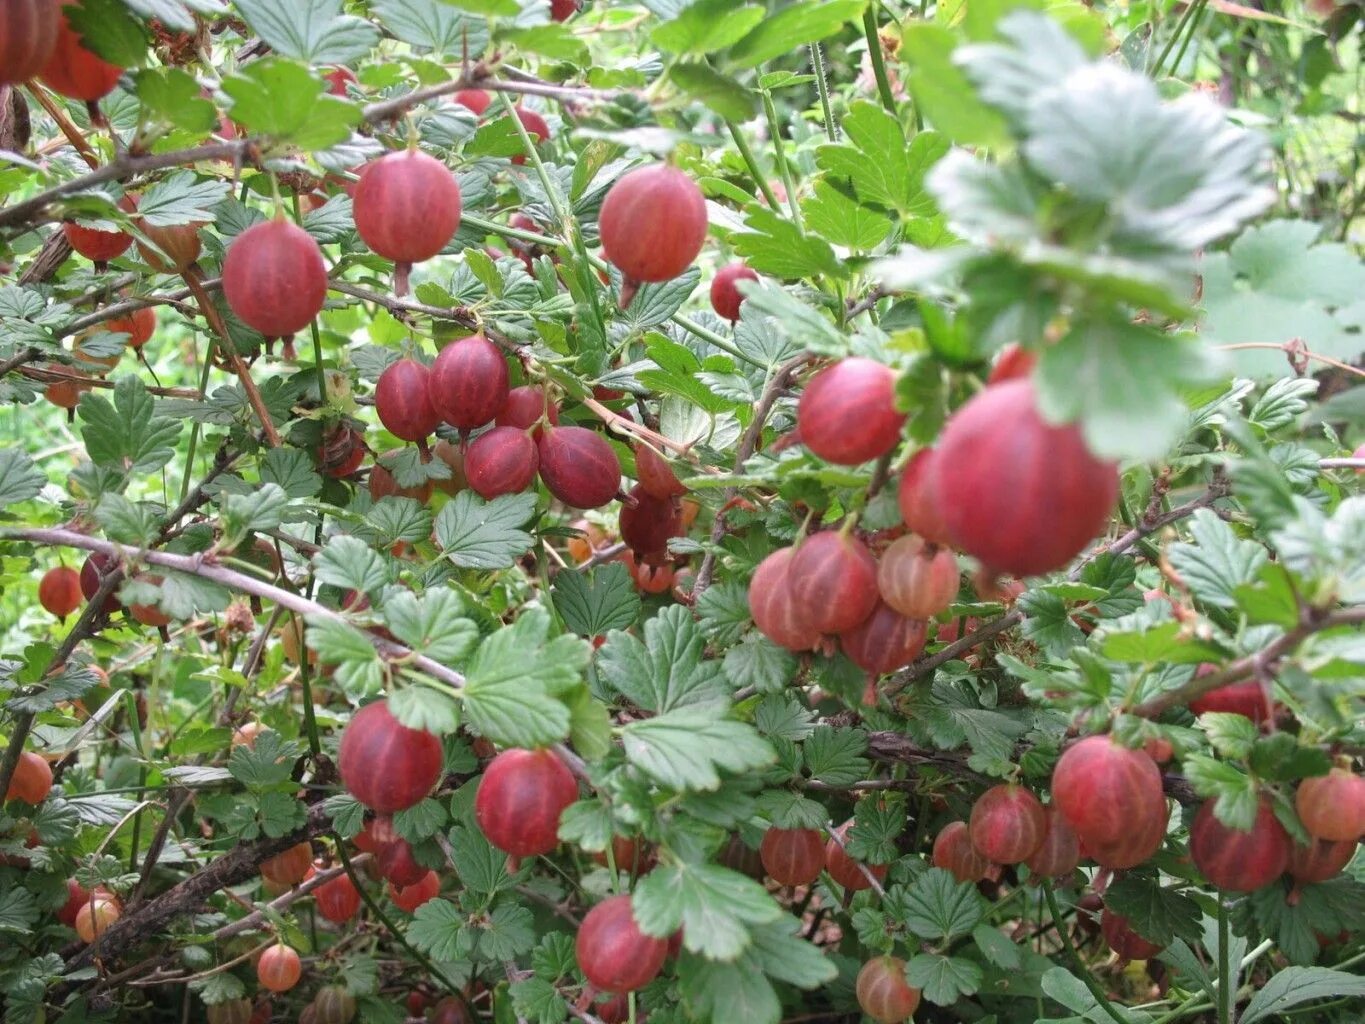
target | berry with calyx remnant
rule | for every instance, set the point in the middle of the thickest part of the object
(773, 605)
(884, 993)
(59, 591)
(406, 208)
(953, 851)
(274, 278)
(852, 874)
(1060, 850)
(847, 414)
(279, 968)
(579, 467)
(94, 244)
(648, 523)
(1332, 806)
(520, 799)
(402, 398)
(1007, 824)
(1112, 798)
(652, 225)
(792, 856)
(384, 764)
(469, 382)
(834, 581)
(918, 580)
(525, 407)
(139, 325)
(1235, 860)
(31, 780)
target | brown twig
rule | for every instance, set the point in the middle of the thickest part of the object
(72, 133)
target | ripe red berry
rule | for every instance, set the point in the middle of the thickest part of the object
(279, 968)
(631, 854)
(652, 225)
(1021, 495)
(579, 467)
(173, 248)
(1320, 860)
(1239, 861)
(468, 383)
(402, 398)
(96, 245)
(1014, 362)
(406, 208)
(792, 856)
(563, 10)
(883, 991)
(95, 568)
(916, 579)
(289, 867)
(32, 779)
(28, 35)
(139, 325)
(501, 461)
(410, 897)
(1112, 797)
(1128, 944)
(397, 864)
(919, 510)
(1332, 806)
(524, 408)
(337, 900)
(883, 642)
(274, 278)
(535, 126)
(476, 100)
(953, 851)
(384, 764)
(847, 414)
(656, 476)
(615, 956)
(848, 872)
(725, 295)
(59, 591)
(1060, 850)
(521, 796)
(337, 79)
(834, 582)
(1248, 699)
(76, 897)
(1007, 824)
(94, 919)
(773, 605)
(74, 71)
(648, 523)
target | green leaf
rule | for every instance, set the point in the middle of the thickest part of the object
(795, 24)
(1158, 914)
(1230, 735)
(723, 612)
(557, 42)
(774, 246)
(780, 953)
(687, 747)
(360, 670)
(125, 434)
(173, 95)
(437, 929)
(668, 670)
(997, 948)
(842, 221)
(20, 480)
(418, 707)
(731, 992)
(350, 564)
(943, 979)
(938, 906)
(597, 601)
(883, 169)
(181, 198)
(711, 904)
(432, 624)
(279, 98)
(587, 823)
(707, 26)
(107, 28)
(786, 809)
(1295, 985)
(942, 91)
(244, 514)
(1237, 794)
(481, 867)
(1218, 562)
(1164, 642)
(514, 680)
(654, 303)
(433, 26)
(721, 93)
(313, 31)
(835, 756)
(478, 534)
(784, 718)
(760, 663)
(1048, 622)
(1280, 757)
(292, 470)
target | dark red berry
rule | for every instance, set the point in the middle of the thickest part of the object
(410, 897)
(76, 897)
(883, 642)
(1013, 362)
(919, 510)
(402, 398)
(792, 856)
(274, 278)
(953, 851)
(341, 451)
(648, 523)
(834, 582)
(337, 79)
(59, 591)
(92, 243)
(397, 864)
(847, 414)
(1320, 860)
(1060, 850)
(535, 126)
(725, 295)
(468, 384)
(656, 476)
(1248, 699)
(1235, 860)
(384, 764)
(614, 955)
(406, 208)
(74, 71)
(28, 37)
(1123, 940)
(93, 571)
(563, 10)
(1112, 798)
(652, 225)
(501, 461)
(525, 407)
(521, 796)
(139, 325)
(773, 604)
(1007, 824)
(579, 467)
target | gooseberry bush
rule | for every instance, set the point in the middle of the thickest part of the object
(688, 511)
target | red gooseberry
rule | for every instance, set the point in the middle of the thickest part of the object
(1248, 699)
(792, 856)
(1013, 362)
(1021, 495)
(613, 953)
(501, 461)
(847, 414)
(139, 325)
(75, 71)
(525, 407)
(520, 799)
(953, 851)
(652, 225)
(883, 991)
(563, 10)
(31, 781)
(656, 476)
(919, 510)
(1235, 860)
(833, 578)
(337, 900)
(384, 764)
(918, 580)
(59, 591)
(1320, 859)
(398, 865)
(853, 875)
(279, 968)
(406, 208)
(338, 78)
(883, 642)
(97, 245)
(1007, 824)
(1123, 940)
(76, 897)
(169, 248)
(535, 125)
(579, 467)
(476, 100)
(28, 35)
(382, 484)
(289, 867)
(402, 398)
(333, 1005)
(630, 854)
(725, 295)
(468, 385)
(274, 278)
(773, 605)
(409, 897)
(1111, 797)
(648, 523)
(1060, 850)
(96, 568)
(149, 614)
(1332, 806)
(94, 919)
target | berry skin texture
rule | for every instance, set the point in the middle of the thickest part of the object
(953, 851)
(74, 71)
(535, 126)
(919, 510)
(59, 591)
(384, 764)
(402, 397)
(1239, 861)
(521, 796)
(773, 606)
(501, 461)
(647, 523)
(885, 641)
(476, 100)
(409, 897)
(274, 278)
(524, 408)
(100, 246)
(1321, 860)
(652, 225)
(289, 867)
(847, 414)
(656, 476)
(176, 247)
(406, 207)
(1060, 850)
(1007, 824)
(337, 900)
(279, 968)
(94, 919)
(1128, 944)
(916, 579)
(834, 582)
(1022, 496)
(844, 869)
(93, 571)
(1332, 806)
(579, 467)
(468, 385)
(614, 954)
(883, 993)
(139, 325)
(725, 295)
(397, 864)
(1247, 699)
(28, 36)
(563, 10)
(76, 897)
(792, 856)
(32, 779)
(1112, 798)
